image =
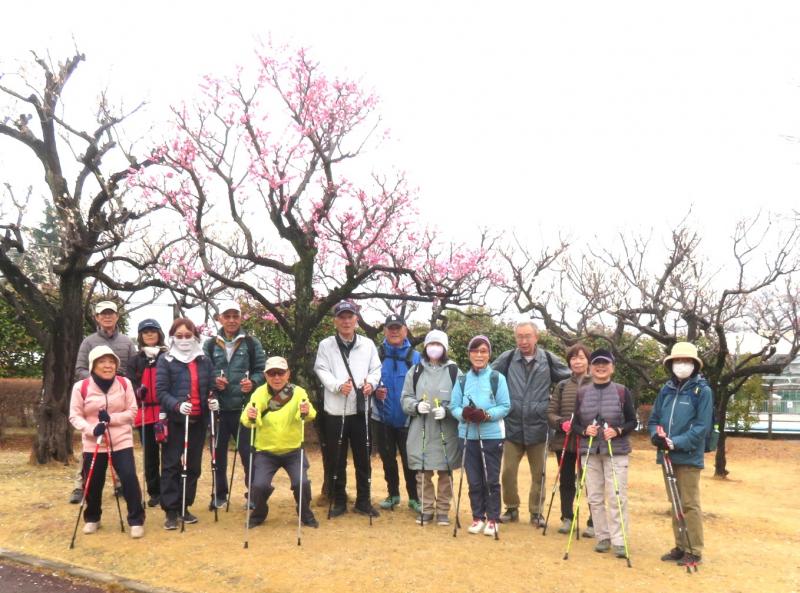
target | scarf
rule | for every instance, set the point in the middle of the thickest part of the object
(103, 384)
(280, 399)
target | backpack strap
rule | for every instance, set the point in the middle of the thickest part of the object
(84, 388)
(381, 352)
(123, 382)
(415, 377)
(453, 373)
(494, 382)
(409, 357)
(506, 364)
(251, 353)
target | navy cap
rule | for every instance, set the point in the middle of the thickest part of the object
(148, 324)
(394, 320)
(601, 355)
(345, 307)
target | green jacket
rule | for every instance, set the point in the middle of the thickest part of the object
(235, 369)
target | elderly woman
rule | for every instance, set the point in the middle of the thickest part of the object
(184, 377)
(276, 412)
(480, 401)
(432, 442)
(680, 420)
(102, 408)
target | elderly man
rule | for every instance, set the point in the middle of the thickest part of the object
(349, 368)
(530, 371)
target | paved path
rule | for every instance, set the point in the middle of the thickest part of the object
(15, 578)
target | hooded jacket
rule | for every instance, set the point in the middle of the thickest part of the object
(121, 406)
(477, 386)
(393, 375)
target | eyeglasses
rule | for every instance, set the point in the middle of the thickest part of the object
(479, 351)
(275, 373)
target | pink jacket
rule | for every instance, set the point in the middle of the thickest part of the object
(121, 408)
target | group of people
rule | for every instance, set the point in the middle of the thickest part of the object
(419, 404)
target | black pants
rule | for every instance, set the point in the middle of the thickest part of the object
(226, 429)
(568, 483)
(152, 459)
(265, 466)
(125, 469)
(389, 440)
(319, 425)
(171, 467)
(354, 433)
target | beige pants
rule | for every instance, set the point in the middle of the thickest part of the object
(431, 499)
(688, 480)
(512, 455)
(603, 499)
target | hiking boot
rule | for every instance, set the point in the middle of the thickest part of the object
(91, 527)
(537, 521)
(566, 524)
(189, 518)
(442, 519)
(588, 532)
(690, 559)
(604, 545)
(414, 505)
(673, 555)
(510, 516)
(426, 518)
(311, 522)
(171, 522)
(154, 501)
(367, 509)
(389, 502)
(477, 526)
(216, 503)
(137, 531)
(337, 510)
(76, 496)
(491, 528)
(619, 551)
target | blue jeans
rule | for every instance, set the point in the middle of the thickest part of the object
(479, 481)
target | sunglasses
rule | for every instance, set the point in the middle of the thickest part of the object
(275, 373)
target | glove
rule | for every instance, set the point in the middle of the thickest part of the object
(185, 408)
(103, 416)
(661, 442)
(566, 426)
(438, 413)
(99, 429)
(213, 404)
(472, 414)
(423, 407)
(141, 393)
(160, 431)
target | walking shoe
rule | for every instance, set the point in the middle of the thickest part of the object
(154, 501)
(171, 522)
(673, 555)
(367, 510)
(414, 505)
(442, 519)
(588, 532)
(217, 503)
(311, 522)
(510, 516)
(537, 521)
(137, 531)
(477, 526)
(619, 551)
(189, 518)
(427, 518)
(91, 527)
(76, 496)
(604, 545)
(337, 510)
(491, 528)
(566, 524)
(389, 502)
(690, 559)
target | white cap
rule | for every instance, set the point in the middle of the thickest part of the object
(104, 306)
(276, 362)
(438, 336)
(99, 352)
(229, 306)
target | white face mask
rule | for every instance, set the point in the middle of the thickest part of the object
(434, 351)
(683, 370)
(184, 344)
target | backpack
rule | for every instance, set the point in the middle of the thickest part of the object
(712, 436)
(453, 369)
(507, 363)
(85, 385)
(409, 355)
(494, 381)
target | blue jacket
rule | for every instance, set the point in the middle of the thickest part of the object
(477, 387)
(393, 374)
(173, 384)
(685, 412)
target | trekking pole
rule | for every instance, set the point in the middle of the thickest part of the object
(249, 478)
(461, 478)
(213, 447)
(336, 463)
(580, 490)
(485, 469)
(85, 490)
(300, 477)
(183, 471)
(422, 489)
(438, 402)
(113, 476)
(367, 414)
(677, 505)
(558, 475)
(577, 513)
(543, 480)
(382, 412)
(144, 460)
(619, 499)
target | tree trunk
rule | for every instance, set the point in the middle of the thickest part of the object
(720, 460)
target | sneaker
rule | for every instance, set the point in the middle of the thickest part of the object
(491, 528)
(477, 526)
(442, 519)
(426, 518)
(673, 555)
(367, 510)
(154, 501)
(389, 502)
(690, 559)
(619, 551)
(189, 518)
(171, 522)
(588, 532)
(414, 505)
(137, 531)
(76, 496)
(604, 545)
(217, 503)
(337, 510)
(91, 527)
(311, 522)
(510, 516)
(537, 521)
(566, 524)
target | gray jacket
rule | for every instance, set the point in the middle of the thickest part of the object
(435, 383)
(526, 423)
(121, 344)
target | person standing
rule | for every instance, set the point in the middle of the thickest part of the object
(349, 368)
(106, 317)
(681, 419)
(432, 443)
(480, 402)
(604, 411)
(238, 361)
(529, 371)
(389, 423)
(184, 377)
(103, 405)
(142, 373)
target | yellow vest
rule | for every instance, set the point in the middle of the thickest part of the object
(278, 432)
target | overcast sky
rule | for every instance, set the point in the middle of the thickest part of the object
(584, 117)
